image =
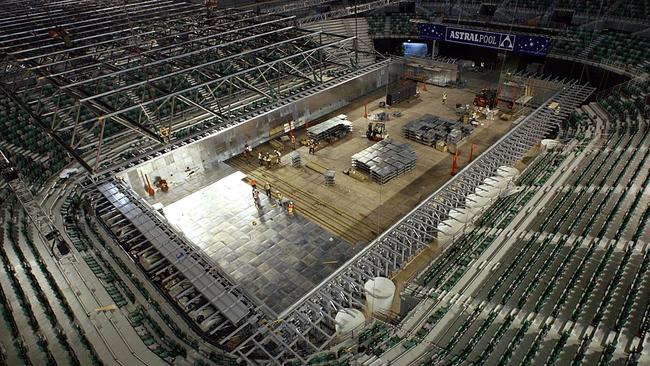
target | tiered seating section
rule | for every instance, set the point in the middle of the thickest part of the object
(637, 9)
(609, 47)
(554, 273)
(35, 155)
(401, 24)
(573, 42)
(628, 102)
(376, 24)
(535, 4)
(584, 6)
(37, 326)
(621, 47)
(155, 326)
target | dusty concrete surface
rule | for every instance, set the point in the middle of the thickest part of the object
(370, 208)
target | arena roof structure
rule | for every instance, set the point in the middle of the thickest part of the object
(142, 74)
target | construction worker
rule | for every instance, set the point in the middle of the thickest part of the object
(254, 184)
(444, 97)
(281, 199)
(293, 140)
(259, 158)
(256, 198)
(247, 153)
(267, 189)
(290, 208)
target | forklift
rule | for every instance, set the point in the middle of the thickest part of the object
(486, 98)
(376, 131)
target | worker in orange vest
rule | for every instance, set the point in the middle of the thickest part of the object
(290, 208)
(293, 140)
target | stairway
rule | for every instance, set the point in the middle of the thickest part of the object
(203, 90)
(347, 27)
(584, 54)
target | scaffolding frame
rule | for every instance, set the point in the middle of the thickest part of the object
(105, 79)
(308, 326)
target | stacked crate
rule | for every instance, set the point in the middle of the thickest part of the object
(400, 93)
(385, 160)
(329, 177)
(429, 129)
(454, 136)
(295, 159)
(333, 128)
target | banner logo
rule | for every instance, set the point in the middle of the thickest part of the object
(480, 38)
(533, 45)
(506, 42)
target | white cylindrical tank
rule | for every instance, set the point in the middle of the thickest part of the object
(450, 227)
(550, 143)
(486, 191)
(460, 214)
(348, 319)
(475, 203)
(447, 230)
(507, 172)
(379, 294)
(497, 182)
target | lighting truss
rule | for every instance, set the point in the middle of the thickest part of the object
(105, 79)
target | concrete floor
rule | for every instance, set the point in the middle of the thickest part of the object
(368, 203)
(275, 256)
(350, 210)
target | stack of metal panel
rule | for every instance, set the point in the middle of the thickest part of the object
(295, 159)
(422, 130)
(429, 129)
(333, 128)
(454, 136)
(385, 160)
(401, 93)
(329, 177)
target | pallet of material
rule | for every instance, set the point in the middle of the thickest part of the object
(429, 129)
(385, 160)
(333, 128)
(400, 93)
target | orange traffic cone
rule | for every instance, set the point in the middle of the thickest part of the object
(454, 164)
(471, 153)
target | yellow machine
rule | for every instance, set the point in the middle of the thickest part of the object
(376, 131)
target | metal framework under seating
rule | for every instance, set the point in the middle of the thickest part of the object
(115, 80)
(308, 326)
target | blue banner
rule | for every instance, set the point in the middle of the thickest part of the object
(473, 37)
(432, 31)
(533, 45)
